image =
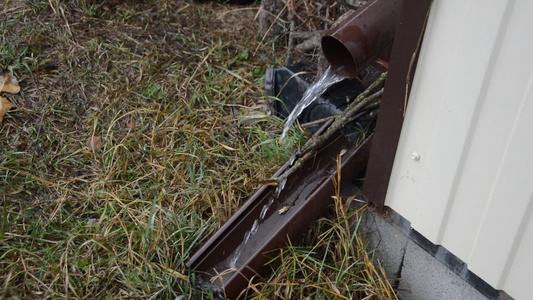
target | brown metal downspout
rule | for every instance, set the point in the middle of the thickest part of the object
(404, 58)
(351, 45)
(362, 37)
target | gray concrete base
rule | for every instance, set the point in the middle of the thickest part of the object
(419, 269)
(425, 278)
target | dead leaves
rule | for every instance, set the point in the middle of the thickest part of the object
(8, 84)
(94, 143)
(5, 105)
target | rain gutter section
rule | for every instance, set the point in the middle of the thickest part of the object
(401, 71)
(226, 264)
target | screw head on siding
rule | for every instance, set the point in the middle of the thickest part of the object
(415, 156)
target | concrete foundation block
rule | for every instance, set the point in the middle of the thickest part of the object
(425, 278)
(389, 244)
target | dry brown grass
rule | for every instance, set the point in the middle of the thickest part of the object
(331, 262)
(140, 129)
(163, 92)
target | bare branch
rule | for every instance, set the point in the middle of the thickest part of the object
(361, 102)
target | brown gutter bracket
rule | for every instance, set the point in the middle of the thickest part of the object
(404, 57)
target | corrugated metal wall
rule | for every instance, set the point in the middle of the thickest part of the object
(470, 121)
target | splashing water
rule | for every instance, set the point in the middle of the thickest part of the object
(280, 187)
(235, 256)
(264, 212)
(293, 160)
(247, 236)
(329, 78)
(255, 226)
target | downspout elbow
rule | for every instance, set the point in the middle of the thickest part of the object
(362, 37)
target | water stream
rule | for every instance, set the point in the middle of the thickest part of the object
(264, 226)
(250, 242)
(280, 187)
(268, 219)
(314, 91)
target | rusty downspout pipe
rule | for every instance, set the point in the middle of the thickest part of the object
(362, 37)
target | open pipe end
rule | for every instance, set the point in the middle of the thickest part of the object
(339, 57)
(362, 37)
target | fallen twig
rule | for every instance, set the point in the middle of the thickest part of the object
(310, 124)
(314, 123)
(291, 43)
(361, 102)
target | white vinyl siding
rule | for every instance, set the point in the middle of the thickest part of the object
(470, 117)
